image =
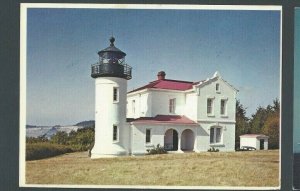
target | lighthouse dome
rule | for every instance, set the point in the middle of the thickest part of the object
(112, 51)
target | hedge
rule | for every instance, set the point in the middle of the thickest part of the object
(35, 151)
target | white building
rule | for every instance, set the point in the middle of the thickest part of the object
(179, 115)
(257, 141)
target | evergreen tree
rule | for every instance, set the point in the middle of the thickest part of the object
(258, 119)
(242, 123)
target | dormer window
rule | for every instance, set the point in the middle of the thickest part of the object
(217, 87)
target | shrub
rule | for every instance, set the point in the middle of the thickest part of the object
(36, 151)
(213, 149)
(36, 139)
(60, 137)
(157, 150)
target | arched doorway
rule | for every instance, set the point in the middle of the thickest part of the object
(171, 140)
(187, 140)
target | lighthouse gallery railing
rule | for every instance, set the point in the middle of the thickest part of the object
(101, 69)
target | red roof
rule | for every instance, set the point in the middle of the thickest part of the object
(168, 85)
(165, 119)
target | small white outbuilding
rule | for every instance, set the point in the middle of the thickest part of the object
(258, 141)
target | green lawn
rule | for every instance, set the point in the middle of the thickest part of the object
(255, 168)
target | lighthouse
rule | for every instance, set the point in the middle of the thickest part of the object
(111, 74)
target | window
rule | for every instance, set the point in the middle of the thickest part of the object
(115, 133)
(148, 135)
(133, 106)
(223, 107)
(209, 106)
(215, 135)
(217, 87)
(172, 104)
(116, 94)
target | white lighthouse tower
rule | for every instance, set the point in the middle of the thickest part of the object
(111, 74)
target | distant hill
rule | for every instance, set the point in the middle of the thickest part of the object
(86, 123)
(49, 131)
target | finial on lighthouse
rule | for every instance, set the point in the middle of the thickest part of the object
(112, 40)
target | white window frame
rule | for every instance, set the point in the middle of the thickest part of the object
(224, 109)
(117, 96)
(214, 141)
(172, 105)
(149, 142)
(218, 88)
(212, 106)
(117, 136)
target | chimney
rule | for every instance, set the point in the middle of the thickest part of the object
(161, 75)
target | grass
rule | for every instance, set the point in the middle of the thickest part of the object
(255, 168)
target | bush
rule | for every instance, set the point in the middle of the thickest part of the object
(82, 140)
(60, 143)
(36, 151)
(157, 150)
(213, 149)
(36, 139)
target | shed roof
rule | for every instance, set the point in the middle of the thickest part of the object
(254, 136)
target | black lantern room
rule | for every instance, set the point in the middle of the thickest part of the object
(111, 63)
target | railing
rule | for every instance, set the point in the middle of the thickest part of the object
(101, 69)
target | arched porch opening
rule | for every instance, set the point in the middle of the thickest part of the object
(187, 140)
(171, 140)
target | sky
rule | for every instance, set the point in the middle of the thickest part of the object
(244, 46)
(297, 84)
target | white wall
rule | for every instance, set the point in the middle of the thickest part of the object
(228, 136)
(200, 133)
(253, 142)
(226, 122)
(142, 105)
(139, 145)
(209, 91)
(191, 105)
(249, 141)
(107, 114)
(160, 102)
(152, 103)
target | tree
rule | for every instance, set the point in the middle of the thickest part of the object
(271, 129)
(271, 125)
(266, 121)
(60, 137)
(258, 119)
(276, 106)
(242, 123)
